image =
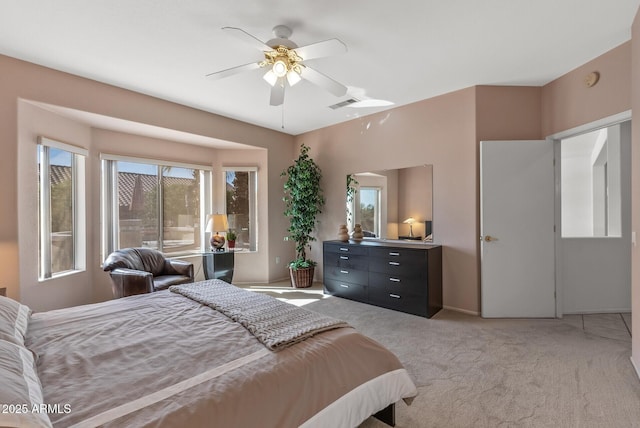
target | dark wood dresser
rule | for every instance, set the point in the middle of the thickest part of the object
(405, 277)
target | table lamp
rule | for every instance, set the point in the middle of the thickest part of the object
(410, 222)
(217, 223)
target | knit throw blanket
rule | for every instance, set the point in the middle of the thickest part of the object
(274, 323)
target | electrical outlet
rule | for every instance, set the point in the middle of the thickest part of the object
(3, 291)
(277, 260)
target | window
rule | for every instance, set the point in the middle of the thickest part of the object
(368, 210)
(591, 184)
(61, 208)
(154, 205)
(240, 202)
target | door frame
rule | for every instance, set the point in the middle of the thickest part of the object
(556, 138)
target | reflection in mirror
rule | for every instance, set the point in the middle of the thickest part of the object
(392, 204)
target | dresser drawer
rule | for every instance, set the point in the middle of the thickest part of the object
(390, 283)
(345, 289)
(345, 248)
(353, 276)
(348, 261)
(402, 255)
(407, 266)
(416, 305)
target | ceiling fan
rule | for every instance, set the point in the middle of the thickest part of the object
(284, 62)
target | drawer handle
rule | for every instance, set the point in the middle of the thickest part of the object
(394, 254)
(344, 257)
(394, 279)
(344, 249)
(394, 263)
(395, 296)
(344, 271)
(344, 286)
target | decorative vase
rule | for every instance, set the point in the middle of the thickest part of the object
(357, 233)
(343, 233)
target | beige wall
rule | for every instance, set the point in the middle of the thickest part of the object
(635, 192)
(567, 102)
(438, 131)
(22, 80)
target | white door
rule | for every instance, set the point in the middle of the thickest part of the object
(517, 229)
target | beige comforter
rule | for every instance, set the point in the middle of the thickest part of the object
(162, 359)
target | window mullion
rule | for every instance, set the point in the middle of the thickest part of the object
(45, 212)
(160, 206)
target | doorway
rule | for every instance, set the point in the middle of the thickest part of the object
(593, 204)
(589, 273)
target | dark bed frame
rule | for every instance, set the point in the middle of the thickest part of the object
(387, 415)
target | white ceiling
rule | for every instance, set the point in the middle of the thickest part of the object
(402, 51)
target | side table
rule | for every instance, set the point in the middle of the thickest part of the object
(218, 265)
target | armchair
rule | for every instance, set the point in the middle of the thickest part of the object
(144, 270)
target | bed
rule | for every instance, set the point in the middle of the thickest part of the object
(203, 354)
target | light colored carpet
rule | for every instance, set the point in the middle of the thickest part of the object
(474, 372)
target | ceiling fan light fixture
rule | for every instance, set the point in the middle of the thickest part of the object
(293, 77)
(280, 68)
(270, 77)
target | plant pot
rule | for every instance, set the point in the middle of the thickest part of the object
(302, 277)
(231, 244)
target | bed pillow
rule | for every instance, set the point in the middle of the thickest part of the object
(14, 320)
(21, 392)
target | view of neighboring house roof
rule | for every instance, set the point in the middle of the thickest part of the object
(126, 182)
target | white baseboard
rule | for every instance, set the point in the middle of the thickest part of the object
(633, 363)
(464, 311)
(599, 311)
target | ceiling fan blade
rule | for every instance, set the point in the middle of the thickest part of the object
(325, 82)
(316, 50)
(248, 38)
(234, 70)
(277, 93)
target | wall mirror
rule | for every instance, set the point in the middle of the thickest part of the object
(392, 203)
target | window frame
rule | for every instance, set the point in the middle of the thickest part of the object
(110, 228)
(377, 217)
(253, 201)
(78, 202)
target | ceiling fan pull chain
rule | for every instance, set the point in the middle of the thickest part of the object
(282, 115)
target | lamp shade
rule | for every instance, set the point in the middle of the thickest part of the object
(217, 223)
(410, 222)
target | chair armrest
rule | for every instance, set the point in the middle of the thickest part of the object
(178, 267)
(127, 282)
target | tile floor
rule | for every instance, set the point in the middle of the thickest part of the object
(613, 326)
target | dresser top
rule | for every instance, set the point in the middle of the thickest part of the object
(384, 243)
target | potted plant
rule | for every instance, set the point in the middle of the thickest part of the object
(231, 239)
(303, 200)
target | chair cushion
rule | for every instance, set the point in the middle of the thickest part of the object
(144, 259)
(126, 258)
(164, 281)
(152, 260)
